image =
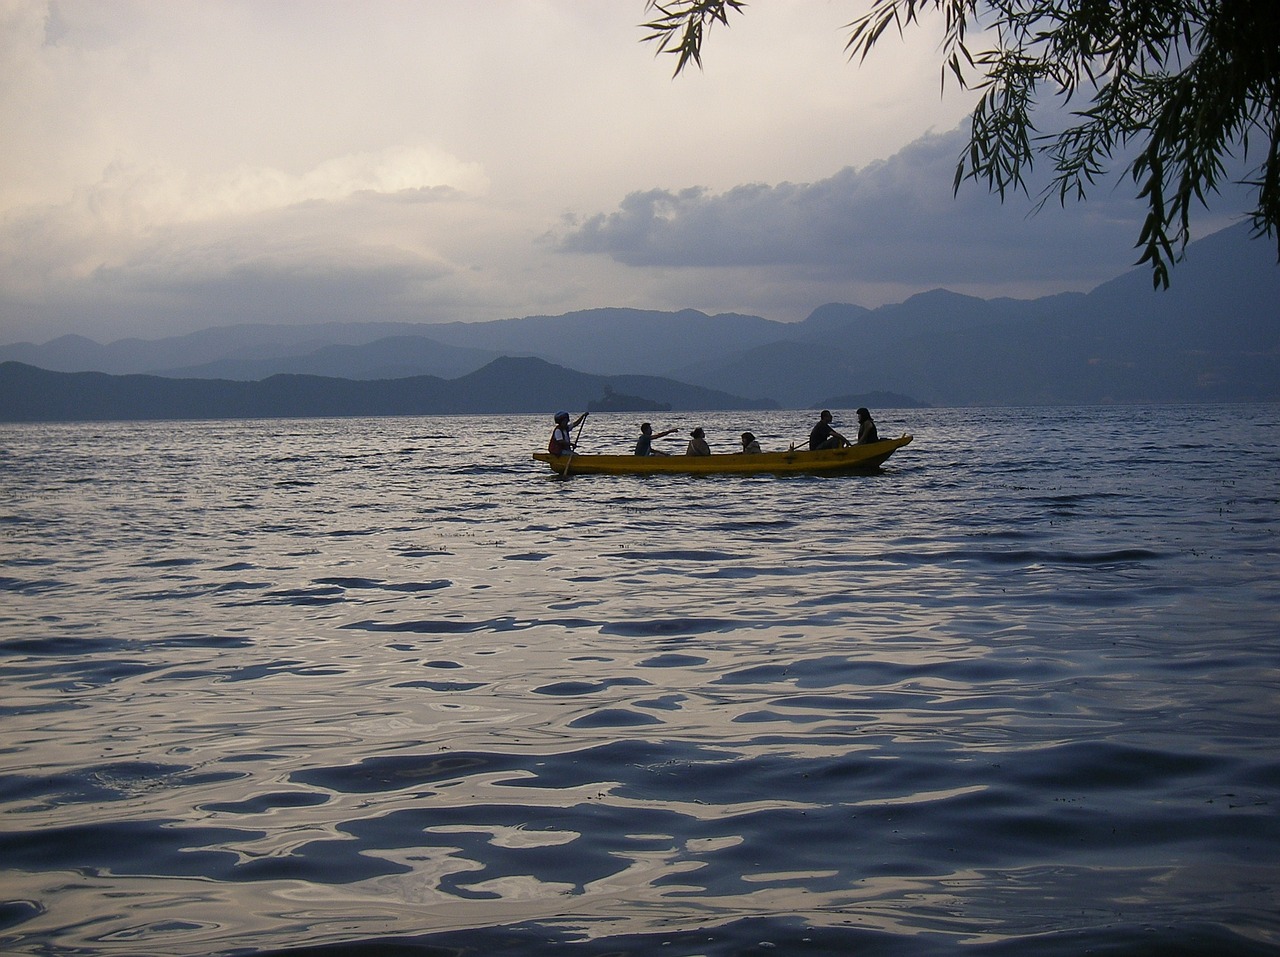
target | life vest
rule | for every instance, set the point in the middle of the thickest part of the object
(559, 443)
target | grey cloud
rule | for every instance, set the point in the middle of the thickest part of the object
(892, 221)
(360, 258)
(229, 283)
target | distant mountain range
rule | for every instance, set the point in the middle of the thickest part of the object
(1213, 337)
(526, 384)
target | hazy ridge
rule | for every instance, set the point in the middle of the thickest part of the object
(1214, 336)
(507, 385)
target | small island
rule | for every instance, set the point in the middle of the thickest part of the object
(618, 402)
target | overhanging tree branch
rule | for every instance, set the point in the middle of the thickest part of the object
(1186, 84)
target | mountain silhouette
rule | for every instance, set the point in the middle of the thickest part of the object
(507, 385)
(1214, 336)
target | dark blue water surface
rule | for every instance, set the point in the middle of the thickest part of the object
(387, 686)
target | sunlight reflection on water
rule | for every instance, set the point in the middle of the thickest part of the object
(280, 683)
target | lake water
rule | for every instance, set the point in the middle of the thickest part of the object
(387, 686)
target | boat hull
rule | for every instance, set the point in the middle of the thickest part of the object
(854, 458)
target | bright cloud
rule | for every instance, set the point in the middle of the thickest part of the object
(135, 198)
(172, 165)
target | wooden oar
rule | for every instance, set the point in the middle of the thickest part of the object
(804, 443)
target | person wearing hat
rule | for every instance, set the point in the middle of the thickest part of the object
(644, 444)
(561, 442)
(698, 444)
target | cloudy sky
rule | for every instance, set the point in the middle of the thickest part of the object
(174, 164)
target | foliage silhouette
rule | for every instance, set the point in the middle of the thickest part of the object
(1174, 89)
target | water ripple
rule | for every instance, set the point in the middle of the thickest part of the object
(326, 687)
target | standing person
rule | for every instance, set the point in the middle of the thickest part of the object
(698, 443)
(749, 444)
(866, 428)
(561, 442)
(644, 444)
(823, 436)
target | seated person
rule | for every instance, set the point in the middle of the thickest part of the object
(698, 443)
(749, 444)
(823, 436)
(866, 428)
(644, 444)
(561, 441)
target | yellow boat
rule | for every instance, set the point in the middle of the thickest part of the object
(852, 458)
